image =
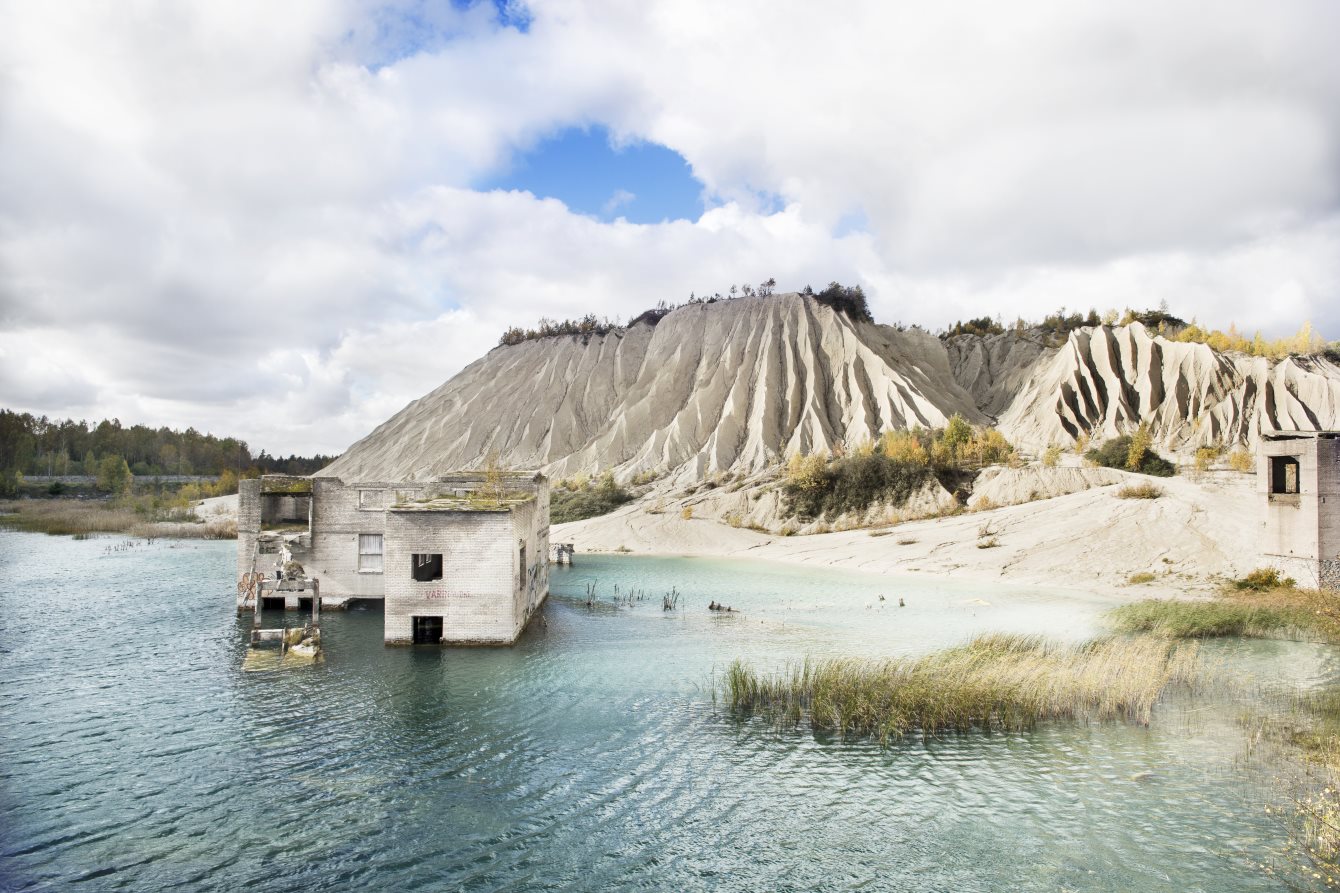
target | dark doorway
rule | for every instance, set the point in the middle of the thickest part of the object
(425, 567)
(304, 604)
(427, 630)
(272, 603)
(1283, 474)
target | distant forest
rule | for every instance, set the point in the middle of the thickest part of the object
(32, 445)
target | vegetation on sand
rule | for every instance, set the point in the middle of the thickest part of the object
(1260, 605)
(993, 682)
(1132, 453)
(1207, 619)
(579, 497)
(889, 470)
(137, 516)
(1139, 491)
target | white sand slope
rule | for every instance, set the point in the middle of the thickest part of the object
(1107, 380)
(1199, 533)
(713, 387)
(735, 386)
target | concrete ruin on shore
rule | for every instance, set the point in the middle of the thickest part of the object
(459, 559)
(1298, 476)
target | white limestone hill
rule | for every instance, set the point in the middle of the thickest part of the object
(1106, 380)
(737, 385)
(730, 386)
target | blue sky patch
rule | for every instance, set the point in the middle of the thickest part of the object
(642, 182)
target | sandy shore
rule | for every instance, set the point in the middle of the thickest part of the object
(1199, 533)
(1191, 539)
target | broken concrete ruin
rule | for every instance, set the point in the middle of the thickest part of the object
(1298, 475)
(459, 559)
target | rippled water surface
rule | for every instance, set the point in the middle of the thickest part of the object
(137, 755)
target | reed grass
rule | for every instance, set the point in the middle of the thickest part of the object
(83, 518)
(1275, 614)
(1207, 619)
(1006, 682)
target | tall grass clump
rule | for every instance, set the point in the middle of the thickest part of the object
(1208, 619)
(994, 682)
(1139, 491)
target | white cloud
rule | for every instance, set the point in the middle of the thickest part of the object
(259, 219)
(616, 201)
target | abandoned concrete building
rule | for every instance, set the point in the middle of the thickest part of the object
(461, 559)
(1298, 475)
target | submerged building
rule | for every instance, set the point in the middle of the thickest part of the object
(1298, 475)
(461, 559)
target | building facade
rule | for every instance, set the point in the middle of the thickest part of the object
(460, 559)
(1298, 478)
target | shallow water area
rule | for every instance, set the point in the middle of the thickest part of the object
(590, 756)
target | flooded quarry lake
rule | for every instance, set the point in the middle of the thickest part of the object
(593, 755)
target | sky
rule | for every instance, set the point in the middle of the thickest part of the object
(285, 221)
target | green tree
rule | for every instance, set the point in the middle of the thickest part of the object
(957, 433)
(114, 476)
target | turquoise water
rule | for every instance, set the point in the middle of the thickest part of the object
(137, 755)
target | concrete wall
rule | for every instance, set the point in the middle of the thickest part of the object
(1302, 532)
(476, 597)
(485, 594)
(1328, 501)
(248, 524)
(531, 584)
(1291, 520)
(339, 515)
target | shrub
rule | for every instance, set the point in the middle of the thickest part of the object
(1141, 578)
(818, 489)
(1138, 448)
(1117, 453)
(1241, 460)
(1263, 579)
(686, 513)
(1206, 455)
(573, 502)
(984, 504)
(1139, 491)
(1051, 456)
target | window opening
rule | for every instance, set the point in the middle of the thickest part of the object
(523, 565)
(370, 552)
(272, 603)
(1283, 474)
(425, 567)
(427, 630)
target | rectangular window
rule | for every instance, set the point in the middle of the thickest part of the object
(370, 499)
(370, 552)
(523, 565)
(425, 567)
(1283, 474)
